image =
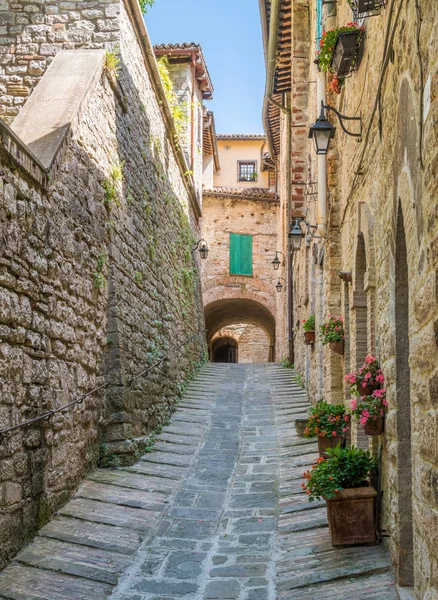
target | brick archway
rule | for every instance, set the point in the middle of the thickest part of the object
(236, 308)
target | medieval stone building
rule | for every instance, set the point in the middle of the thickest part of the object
(368, 215)
(245, 314)
(100, 203)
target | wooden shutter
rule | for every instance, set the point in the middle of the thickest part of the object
(240, 254)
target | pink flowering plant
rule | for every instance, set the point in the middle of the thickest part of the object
(327, 420)
(369, 376)
(327, 43)
(369, 408)
(333, 331)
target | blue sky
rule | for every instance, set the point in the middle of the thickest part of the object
(230, 35)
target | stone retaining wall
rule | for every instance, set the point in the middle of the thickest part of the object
(97, 281)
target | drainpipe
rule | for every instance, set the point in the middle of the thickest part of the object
(192, 141)
(322, 161)
(271, 61)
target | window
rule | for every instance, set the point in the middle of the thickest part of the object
(240, 254)
(247, 171)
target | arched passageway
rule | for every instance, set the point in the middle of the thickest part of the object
(224, 350)
(234, 311)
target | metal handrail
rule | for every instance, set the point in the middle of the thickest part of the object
(49, 414)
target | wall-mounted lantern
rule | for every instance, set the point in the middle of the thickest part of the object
(277, 262)
(323, 131)
(296, 235)
(279, 285)
(203, 248)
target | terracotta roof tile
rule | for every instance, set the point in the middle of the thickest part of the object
(241, 136)
(252, 193)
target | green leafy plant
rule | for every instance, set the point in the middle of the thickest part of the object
(112, 63)
(369, 376)
(333, 331)
(286, 363)
(309, 323)
(99, 280)
(328, 41)
(178, 109)
(327, 420)
(138, 276)
(299, 380)
(369, 408)
(145, 4)
(343, 469)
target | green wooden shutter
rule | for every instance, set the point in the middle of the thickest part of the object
(246, 254)
(240, 254)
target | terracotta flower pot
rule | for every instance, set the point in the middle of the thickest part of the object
(351, 517)
(309, 337)
(374, 427)
(337, 347)
(367, 390)
(325, 442)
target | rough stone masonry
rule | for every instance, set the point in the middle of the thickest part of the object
(97, 276)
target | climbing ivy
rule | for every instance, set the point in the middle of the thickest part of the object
(178, 109)
(145, 4)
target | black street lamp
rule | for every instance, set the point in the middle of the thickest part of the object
(276, 262)
(296, 235)
(203, 248)
(323, 131)
(279, 285)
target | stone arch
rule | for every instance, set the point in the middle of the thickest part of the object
(364, 282)
(237, 308)
(224, 349)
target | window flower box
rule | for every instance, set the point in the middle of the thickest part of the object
(346, 55)
(341, 49)
(366, 8)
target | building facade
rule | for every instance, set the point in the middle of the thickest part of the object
(368, 212)
(244, 312)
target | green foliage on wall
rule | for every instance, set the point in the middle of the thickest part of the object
(178, 109)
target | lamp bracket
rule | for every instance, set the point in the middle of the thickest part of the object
(342, 118)
(196, 246)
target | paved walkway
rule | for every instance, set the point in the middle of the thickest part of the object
(214, 512)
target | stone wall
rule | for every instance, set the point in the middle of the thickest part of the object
(253, 342)
(222, 216)
(31, 34)
(383, 225)
(97, 281)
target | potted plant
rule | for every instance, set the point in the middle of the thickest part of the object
(366, 8)
(309, 329)
(342, 479)
(370, 412)
(367, 379)
(340, 49)
(333, 333)
(329, 423)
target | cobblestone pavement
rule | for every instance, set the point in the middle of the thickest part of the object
(214, 512)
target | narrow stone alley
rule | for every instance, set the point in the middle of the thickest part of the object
(215, 511)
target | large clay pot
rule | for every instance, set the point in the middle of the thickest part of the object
(351, 517)
(337, 347)
(309, 337)
(325, 442)
(374, 427)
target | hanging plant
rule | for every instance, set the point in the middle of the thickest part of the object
(309, 329)
(367, 379)
(339, 49)
(370, 411)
